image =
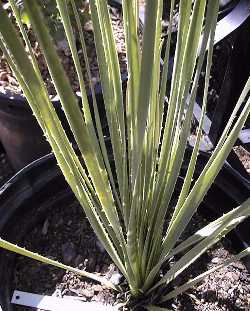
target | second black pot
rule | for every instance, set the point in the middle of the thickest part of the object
(20, 133)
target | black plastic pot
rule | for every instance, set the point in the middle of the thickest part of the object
(24, 202)
(20, 134)
(229, 190)
(40, 186)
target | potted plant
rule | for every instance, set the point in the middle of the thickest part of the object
(127, 204)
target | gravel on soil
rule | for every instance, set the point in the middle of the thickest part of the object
(227, 289)
(244, 157)
(9, 83)
(65, 235)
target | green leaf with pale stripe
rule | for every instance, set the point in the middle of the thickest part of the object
(199, 278)
(22, 251)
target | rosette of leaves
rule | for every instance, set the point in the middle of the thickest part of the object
(129, 207)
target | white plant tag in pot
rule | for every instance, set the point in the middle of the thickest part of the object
(51, 303)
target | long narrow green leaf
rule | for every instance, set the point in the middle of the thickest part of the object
(96, 112)
(75, 118)
(53, 130)
(189, 242)
(151, 138)
(63, 9)
(203, 183)
(130, 22)
(165, 69)
(181, 138)
(184, 12)
(22, 251)
(191, 167)
(112, 97)
(146, 103)
(64, 13)
(199, 278)
(150, 34)
(230, 221)
(111, 85)
(25, 36)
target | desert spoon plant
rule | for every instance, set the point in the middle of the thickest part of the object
(128, 206)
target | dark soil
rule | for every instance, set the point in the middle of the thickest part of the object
(65, 235)
(226, 289)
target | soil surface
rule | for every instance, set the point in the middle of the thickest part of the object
(9, 83)
(65, 235)
(227, 289)
(244, 157)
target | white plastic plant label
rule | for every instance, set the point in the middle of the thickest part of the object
(51, 303)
